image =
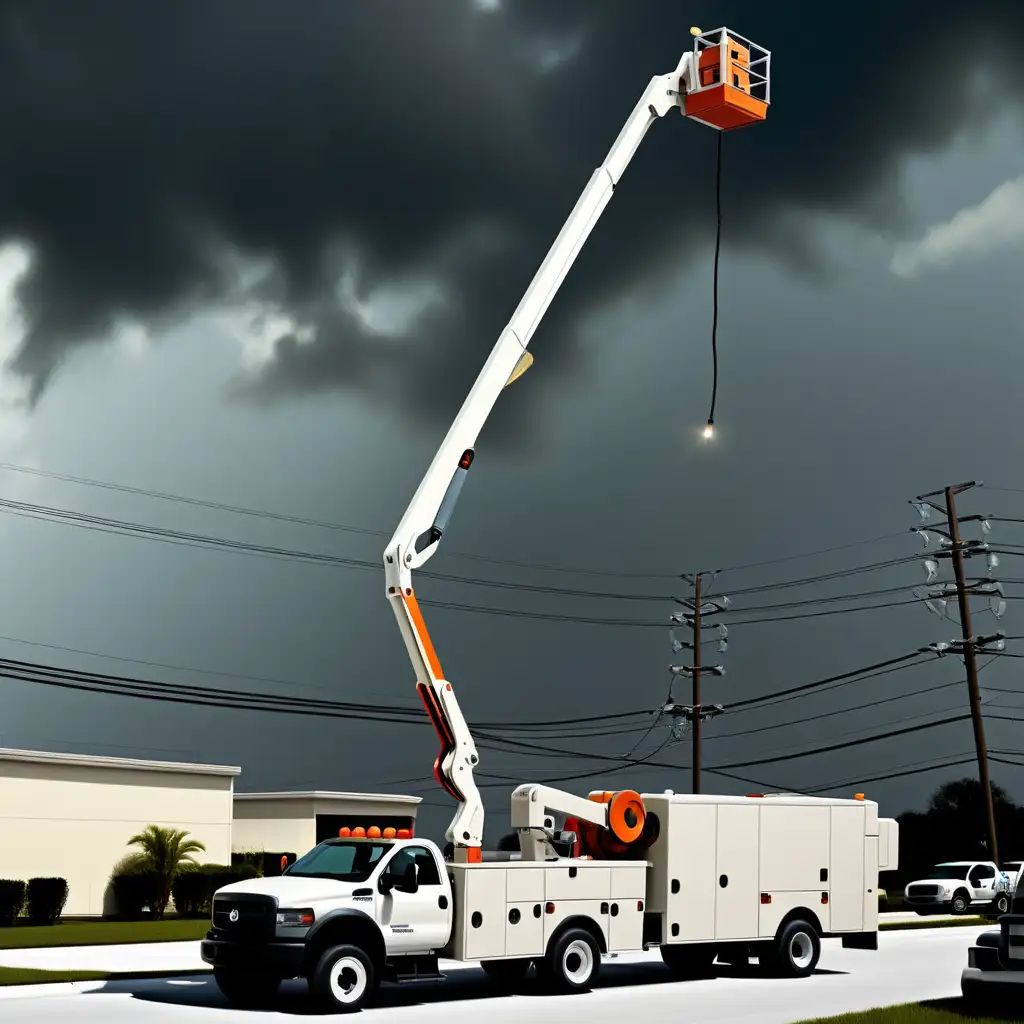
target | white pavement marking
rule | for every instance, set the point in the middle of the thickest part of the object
(909, 966)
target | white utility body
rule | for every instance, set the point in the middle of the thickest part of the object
(697, 876)
(766, 876)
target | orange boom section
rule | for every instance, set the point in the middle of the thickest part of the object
(725, 98)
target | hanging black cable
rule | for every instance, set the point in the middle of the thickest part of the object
(714, 323)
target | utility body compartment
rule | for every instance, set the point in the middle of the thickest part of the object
(732, 868)
(512, 909)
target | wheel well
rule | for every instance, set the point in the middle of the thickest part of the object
(803, 914)
(358, 931)
(588, 924)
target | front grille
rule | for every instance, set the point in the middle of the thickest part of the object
(924, 892)
(256, 917)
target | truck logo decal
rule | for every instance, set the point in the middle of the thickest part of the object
(233, 916)
(402, 929)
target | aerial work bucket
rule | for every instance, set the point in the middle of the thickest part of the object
(733, 81)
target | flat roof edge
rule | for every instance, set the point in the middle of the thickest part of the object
(129, 763)
(319, 794)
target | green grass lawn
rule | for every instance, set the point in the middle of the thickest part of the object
(103, 933)
(944, 1011)
(924, 922)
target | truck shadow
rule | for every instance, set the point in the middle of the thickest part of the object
(201, 990)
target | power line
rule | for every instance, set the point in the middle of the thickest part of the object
(831, 714)
(364, 531)
(804, 687)
(128, 686)
(127, 528)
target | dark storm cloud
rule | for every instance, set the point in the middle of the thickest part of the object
(409, 142)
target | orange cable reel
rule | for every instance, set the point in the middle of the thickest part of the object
(626, 816)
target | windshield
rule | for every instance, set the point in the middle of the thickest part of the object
(941, 871)
(344, 862)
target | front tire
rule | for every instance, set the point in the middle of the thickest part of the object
(961, 902)
(244, 988)
(572, 962)
(796, 951)
(344, 980)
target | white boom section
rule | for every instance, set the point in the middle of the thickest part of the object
(424, 522)
(529, 807)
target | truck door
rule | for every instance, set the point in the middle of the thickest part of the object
(982, 880)
(415, 922)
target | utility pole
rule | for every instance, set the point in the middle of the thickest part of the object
(697, 712)
(956, 550)
(696, 684)
(972, 671)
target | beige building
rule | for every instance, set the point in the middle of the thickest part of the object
(69, 816)
(296, 822)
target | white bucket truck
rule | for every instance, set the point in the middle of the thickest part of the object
(766, 876)
(694, 875)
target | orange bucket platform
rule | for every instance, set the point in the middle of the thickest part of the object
(726, 95)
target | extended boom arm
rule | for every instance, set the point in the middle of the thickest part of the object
(426, 518)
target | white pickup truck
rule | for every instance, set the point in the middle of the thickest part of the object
(959, 886)
(766, 876)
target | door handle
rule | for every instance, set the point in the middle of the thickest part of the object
(442, 902)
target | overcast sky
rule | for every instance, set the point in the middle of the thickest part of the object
(258, 259)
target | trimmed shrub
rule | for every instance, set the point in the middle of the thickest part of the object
(193, 889)
(134, 891)
(45, 899)
(268, 865)
(12, 899)
(189, 891)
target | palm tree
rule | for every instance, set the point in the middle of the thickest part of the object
(165, 851)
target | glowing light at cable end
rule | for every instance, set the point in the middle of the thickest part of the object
(709, 432)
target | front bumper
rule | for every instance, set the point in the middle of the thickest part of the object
(286, 959)
(977, 985)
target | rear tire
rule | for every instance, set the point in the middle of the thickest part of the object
(246, 988)
(572, 963)
(506, 975)
(796, 951)
(688, 962)
(344, 979)
(1001, 904)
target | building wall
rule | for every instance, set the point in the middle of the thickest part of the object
(274, 826)
(289, 824)
(74, 822)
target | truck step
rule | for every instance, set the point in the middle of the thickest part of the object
(403, 970)
(405, 979)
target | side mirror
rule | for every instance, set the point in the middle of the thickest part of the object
(385, 884)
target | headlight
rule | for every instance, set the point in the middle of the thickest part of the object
(295, 918)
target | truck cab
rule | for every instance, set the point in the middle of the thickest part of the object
(350, 913)
(957, 887)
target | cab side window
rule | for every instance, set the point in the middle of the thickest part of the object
(427, 873)
(981, 874)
